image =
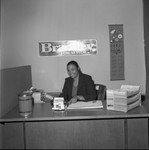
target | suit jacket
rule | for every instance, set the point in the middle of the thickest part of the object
(86, 88)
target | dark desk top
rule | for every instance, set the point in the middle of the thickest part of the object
(44, 112)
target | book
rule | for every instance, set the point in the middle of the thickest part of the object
(86, 105)
(124, 99)
(127, 91)
(126, 107)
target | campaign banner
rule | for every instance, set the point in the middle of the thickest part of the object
(68, 47)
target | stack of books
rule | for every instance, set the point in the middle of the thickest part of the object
(124, 99)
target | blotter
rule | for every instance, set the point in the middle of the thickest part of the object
(86, 105)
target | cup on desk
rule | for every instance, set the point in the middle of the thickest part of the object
(25, 104)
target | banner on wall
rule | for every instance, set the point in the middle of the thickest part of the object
(68, 47)
(116, 52)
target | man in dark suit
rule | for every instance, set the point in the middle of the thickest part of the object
(78, 86)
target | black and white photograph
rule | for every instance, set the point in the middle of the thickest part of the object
(74, 74)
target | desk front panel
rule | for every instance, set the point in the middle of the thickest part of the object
(76, 134)
(13, 136)
(137, 130)
(93, 128)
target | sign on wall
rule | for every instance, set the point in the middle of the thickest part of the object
(116, 52)
(68, 47)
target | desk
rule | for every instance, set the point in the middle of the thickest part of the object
(89, 128)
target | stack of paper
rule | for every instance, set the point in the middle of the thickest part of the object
(86, 105)
(124, 99)
(110, 99)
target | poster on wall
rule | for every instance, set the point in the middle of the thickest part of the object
(68, 47)
(116, 52)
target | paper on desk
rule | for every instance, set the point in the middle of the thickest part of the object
(86, 105)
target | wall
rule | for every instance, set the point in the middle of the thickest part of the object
(26, 23)
(0, 81)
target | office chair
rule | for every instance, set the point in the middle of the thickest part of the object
(100, 91)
